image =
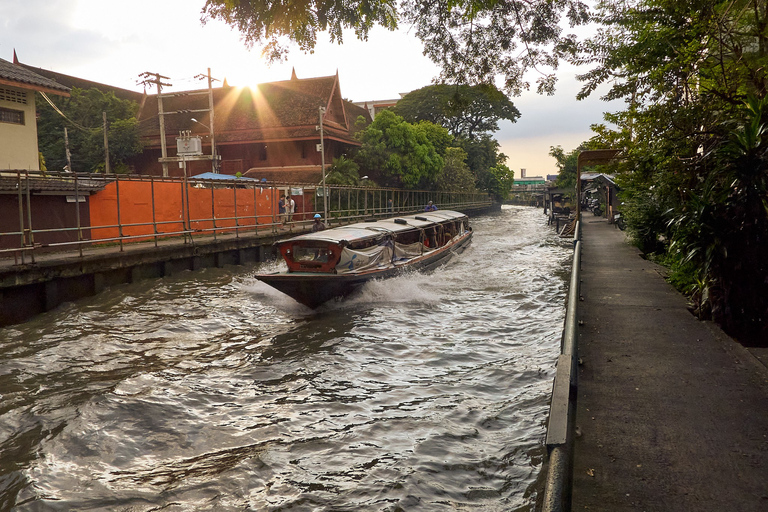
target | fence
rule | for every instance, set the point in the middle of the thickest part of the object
(67, 212)
(559, 441)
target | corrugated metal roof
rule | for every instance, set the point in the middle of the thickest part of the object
(363, 230)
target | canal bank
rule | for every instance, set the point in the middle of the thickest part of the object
(670, 412)
(50, 279)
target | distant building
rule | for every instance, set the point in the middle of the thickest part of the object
(18, 117)
(531, 180)
(552, 177)
(374, 107)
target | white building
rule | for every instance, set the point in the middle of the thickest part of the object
(18, 117)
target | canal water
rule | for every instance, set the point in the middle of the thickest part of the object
(210, 391)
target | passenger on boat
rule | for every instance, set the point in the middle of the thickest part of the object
(318, 224)
(430, 207)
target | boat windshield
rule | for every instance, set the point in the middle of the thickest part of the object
(302, 253)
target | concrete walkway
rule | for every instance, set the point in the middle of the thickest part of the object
(672, 415)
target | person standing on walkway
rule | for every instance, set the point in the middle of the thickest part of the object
(290, 207)
(281, 209)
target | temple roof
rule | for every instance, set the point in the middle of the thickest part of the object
(269, 111)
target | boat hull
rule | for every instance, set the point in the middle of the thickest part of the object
(314, 289)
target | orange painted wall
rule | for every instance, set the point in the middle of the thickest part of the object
(137, 198)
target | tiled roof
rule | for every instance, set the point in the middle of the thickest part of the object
(52, 184)
(276, 110)
(81, 83)
(302, 174)
(21, 77)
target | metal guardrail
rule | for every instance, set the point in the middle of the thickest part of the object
(346, 204)
(559, 441)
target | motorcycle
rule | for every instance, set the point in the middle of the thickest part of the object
(619, 221)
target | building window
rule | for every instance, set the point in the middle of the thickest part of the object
(8, 115)
(13, 96)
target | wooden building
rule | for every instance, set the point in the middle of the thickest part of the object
(266, 132)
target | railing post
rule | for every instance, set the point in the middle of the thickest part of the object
(255, 212)
(21, 217)
(119, 222)
(154, 216)
(29, 218)
(213, 211)
(237, 215)
(77, 217)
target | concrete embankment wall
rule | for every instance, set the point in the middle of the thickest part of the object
(29, 289)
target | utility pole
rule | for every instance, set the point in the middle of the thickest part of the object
(322, 166)
(214, 167)
(157, 80)
(106, 142)
(66, 148)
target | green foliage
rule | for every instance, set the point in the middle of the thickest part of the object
(343, 171)
(482, 155)
(567, 165)
(273, 21)
(695, 178)
(398, 154)
(472, 42)
(501, 179)
(466, 111)
(456, 176)
(84, 125)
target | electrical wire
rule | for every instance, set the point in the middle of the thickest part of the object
(79, 127)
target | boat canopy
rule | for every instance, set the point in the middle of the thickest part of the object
(367, 230)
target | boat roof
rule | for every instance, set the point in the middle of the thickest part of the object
(364, 230)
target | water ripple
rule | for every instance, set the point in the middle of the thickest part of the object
(211, 391)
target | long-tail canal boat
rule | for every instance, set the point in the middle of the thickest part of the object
(333, 262)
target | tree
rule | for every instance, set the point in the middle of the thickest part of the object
(83, 111)
(398, 154)
(343, 171)
(567, 166)
(500, 182)
(472, 41)
(456, 176)
(482, 155)
(693, 75)
(466, 111)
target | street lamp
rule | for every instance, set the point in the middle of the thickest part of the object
(198, 122)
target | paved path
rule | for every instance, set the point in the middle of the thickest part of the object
(672, 415)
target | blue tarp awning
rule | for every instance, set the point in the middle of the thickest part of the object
(217, 176)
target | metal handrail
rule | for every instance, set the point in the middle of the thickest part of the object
(558, 487)
(349, 203)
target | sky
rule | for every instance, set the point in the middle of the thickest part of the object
(113, 42)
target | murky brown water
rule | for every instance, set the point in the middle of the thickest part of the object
(211, 391)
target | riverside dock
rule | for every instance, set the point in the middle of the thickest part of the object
(671, 414)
